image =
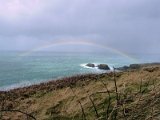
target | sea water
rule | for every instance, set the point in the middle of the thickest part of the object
(18, 71)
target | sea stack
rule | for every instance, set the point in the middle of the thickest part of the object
(103, 67)
(90, 65)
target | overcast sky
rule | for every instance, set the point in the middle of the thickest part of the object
(126, 25)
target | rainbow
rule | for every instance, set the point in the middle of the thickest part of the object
(79, 42)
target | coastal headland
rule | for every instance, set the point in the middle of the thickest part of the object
(132, 93)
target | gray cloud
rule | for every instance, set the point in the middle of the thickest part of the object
(128, 25)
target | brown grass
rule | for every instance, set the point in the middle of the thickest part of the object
(133, 95)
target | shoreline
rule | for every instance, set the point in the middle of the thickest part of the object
(54, 80)
(79, 77)
(26, 83)
(53, 85)
(59, 98)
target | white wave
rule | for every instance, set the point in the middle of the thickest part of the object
(84, 65)
(111, 67)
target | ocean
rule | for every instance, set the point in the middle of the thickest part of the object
(17, 70)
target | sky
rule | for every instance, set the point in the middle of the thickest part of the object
(132, 26)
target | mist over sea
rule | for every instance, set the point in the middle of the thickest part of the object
(18, 71)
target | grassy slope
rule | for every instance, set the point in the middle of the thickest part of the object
(138, 97)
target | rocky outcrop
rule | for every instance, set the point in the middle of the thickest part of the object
(90, 65)
(103, 67)
(130, 67)
(100, 66)
(138, 66)
(134, 66)
(123, 68)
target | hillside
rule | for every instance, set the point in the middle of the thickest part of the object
(129, 95)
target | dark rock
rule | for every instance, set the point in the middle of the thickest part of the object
(139, 66)
(134, 66)
(130, 67)
(90, 65)
(103, 67)
(123, 68)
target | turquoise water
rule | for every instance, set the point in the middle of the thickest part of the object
(19, 71)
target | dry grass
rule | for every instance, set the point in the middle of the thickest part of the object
(89, 97)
